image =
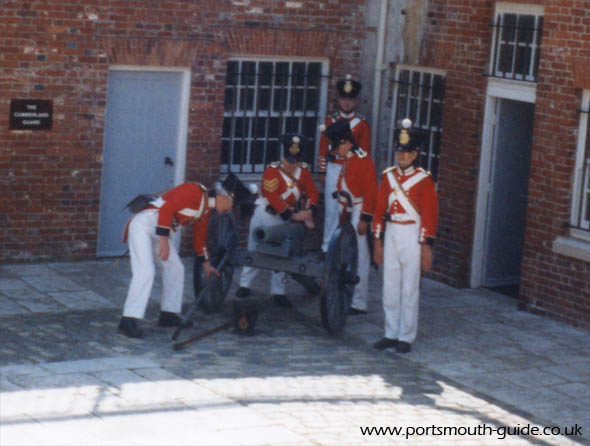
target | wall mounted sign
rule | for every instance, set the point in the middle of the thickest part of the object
(31, 114)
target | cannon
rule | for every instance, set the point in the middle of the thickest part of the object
(280, 248)
(285, 240)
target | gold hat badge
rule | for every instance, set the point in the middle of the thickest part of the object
(348, 84)
(294, 148)
(404, 136)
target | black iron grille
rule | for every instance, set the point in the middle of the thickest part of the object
(263, 101)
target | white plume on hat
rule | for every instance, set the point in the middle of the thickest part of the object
(407, 123)
(253, 188)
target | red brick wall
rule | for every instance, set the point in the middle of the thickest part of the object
(61, 50)
(457, 39)
(554, 284)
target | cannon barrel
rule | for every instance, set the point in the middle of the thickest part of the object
(278, 233)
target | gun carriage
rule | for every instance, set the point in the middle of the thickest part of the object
(280, 248)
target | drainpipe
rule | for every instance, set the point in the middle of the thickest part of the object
(379, 68)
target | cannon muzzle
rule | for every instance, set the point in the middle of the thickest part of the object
(279, 233)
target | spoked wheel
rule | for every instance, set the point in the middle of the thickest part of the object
(340, 278)
(221, 240)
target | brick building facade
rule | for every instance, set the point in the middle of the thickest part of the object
(511, 75)
(64, 51)
(465, 39)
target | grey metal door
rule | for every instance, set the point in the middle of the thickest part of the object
(508, 196)
(140, 146)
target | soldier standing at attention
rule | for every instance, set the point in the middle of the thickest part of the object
(148, 232)
(284, 184)
(358, 178)
(406, 211)
(329, 161)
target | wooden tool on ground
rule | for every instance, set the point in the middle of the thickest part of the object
(244, 321)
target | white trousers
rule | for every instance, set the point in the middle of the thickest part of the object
(401, 281)
(360, 297)
(143, 250)
(277, 279)
(331, 209)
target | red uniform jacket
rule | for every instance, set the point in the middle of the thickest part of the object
(360, 130)
(187, 204)
(359, 178)
(283, 192)
(420, 190)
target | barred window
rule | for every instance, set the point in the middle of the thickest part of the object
(516, 45)
(418, 94)
(580, 221)
(264, 99)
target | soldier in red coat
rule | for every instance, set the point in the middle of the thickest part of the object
(148, 233)
(288, 194)
(357, 177)
(404, 229)
(329, 161)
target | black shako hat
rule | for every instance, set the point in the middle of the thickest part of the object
(337, 132)
(235, 188)
(243, 196)
(348, 87)
(292, 147)
(407, 139)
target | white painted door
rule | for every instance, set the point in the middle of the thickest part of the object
(141, 145)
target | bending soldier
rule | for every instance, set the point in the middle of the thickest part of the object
(284, 184)
(329, 161)
(148, 231)
(357, 177)
(406, 211)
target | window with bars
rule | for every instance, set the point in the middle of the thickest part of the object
(581, 198)
(418, 94)
(516, 46)
(265, 99)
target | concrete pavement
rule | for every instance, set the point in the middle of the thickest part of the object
(479, 373)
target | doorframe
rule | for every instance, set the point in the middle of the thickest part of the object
(497, 89)
(180, 152)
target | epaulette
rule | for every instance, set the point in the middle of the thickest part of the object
(427, 172)
(275, 164)
(304, 165)
(389, 169)
(360, 116)
(360, 152)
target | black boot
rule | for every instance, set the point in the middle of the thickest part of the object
(168, 319)
(243, 292)
(403, 347)
(385, 343)
(282, 301)
(128, 326)
(356, 311)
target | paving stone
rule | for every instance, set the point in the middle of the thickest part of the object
(81, 300)
(9, 307)
(51, 283)
(12, 284)
(35, 301)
